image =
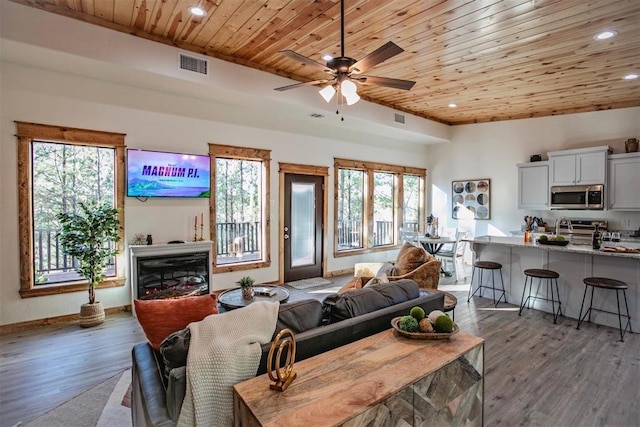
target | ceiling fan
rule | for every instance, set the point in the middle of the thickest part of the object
(345, 71)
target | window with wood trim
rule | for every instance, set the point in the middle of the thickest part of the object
(58, 168)
(240, 207)
(373, 201)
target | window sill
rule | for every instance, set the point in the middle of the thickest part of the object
(227, 268)
(352, 252)
(81, 286)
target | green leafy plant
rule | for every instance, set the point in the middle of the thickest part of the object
(246, 282)
(90, 235)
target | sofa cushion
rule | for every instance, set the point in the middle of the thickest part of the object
(299, 316)
(357, 302)
(409, 258)
(161, 317)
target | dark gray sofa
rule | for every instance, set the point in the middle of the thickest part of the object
(319, 327)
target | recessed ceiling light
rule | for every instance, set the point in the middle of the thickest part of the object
(631, 76)
(605, 35)
(327, 57)
(452, 105)
(197, 11)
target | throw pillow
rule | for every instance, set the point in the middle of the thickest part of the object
(380, 278)
(174, 350)
(409, 258)
(161, 317)
(355, 283)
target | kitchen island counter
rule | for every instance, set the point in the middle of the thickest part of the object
(581, 249)
(573, 263)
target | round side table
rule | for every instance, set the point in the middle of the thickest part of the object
(232, 298)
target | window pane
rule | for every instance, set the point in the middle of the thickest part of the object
(303, 224)
(238, 210)
(350, 208)
(382, 208)
(411, 207)
(63, 176)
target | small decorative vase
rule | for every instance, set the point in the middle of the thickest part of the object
(91, 314)
(247, 293)
(631, 145)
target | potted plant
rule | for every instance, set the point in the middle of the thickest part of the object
(246, 283)
(90, 235)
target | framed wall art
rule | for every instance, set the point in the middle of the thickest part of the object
(470, 199)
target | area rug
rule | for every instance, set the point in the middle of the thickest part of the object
(104, 405)
(309, 283)
(117, 411)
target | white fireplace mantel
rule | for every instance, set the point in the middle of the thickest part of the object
(170, 248)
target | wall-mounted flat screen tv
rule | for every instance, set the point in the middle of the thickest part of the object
(162, 174)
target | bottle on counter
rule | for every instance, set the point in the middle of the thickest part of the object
(597, 238)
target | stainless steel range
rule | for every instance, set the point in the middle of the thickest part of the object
(580, 231)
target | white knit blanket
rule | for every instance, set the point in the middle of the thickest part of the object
(224, 350)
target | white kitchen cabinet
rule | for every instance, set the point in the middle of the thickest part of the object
(583, 166)
(624, 179)
(533, 185)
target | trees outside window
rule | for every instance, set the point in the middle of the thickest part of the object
(58, 168)
(350, 217)
(65, 175)
(383, 207)
(240, 207)
(373, 202)
(412, 202)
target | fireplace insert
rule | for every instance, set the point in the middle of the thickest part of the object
(172, 276)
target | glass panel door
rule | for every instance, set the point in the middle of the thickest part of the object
(303, 224)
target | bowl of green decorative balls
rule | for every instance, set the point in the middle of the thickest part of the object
(420, 326)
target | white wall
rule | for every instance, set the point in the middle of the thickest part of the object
(492, 150)
(158, 121)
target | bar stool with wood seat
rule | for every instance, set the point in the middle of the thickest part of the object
(606, 283)
(542, 274)
(492, 266)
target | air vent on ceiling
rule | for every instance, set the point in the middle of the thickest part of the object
(399, 118)
(191, 63)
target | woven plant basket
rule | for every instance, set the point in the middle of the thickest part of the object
(91, 314)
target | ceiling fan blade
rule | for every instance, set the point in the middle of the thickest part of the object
(386, 82)
(297, 85)
(307, 61)
(379, 55)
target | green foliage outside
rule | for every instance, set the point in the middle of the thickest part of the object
(64, 175)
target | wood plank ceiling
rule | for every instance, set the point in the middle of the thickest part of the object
(495, 59)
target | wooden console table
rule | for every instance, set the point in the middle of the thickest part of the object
(385, 377)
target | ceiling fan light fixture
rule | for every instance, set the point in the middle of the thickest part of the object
(327, 92)
(351, 98)
(348, 87)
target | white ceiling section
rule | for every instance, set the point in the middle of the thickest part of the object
(45, 40)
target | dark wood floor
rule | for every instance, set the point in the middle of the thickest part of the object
(537, 373)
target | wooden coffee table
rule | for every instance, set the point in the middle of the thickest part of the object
(232, 298)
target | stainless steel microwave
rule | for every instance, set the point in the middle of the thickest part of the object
(578, 197)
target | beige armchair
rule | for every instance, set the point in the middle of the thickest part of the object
(412, 263)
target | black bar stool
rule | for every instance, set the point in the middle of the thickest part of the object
(606, 283)
(487, 265)
(552, 278)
